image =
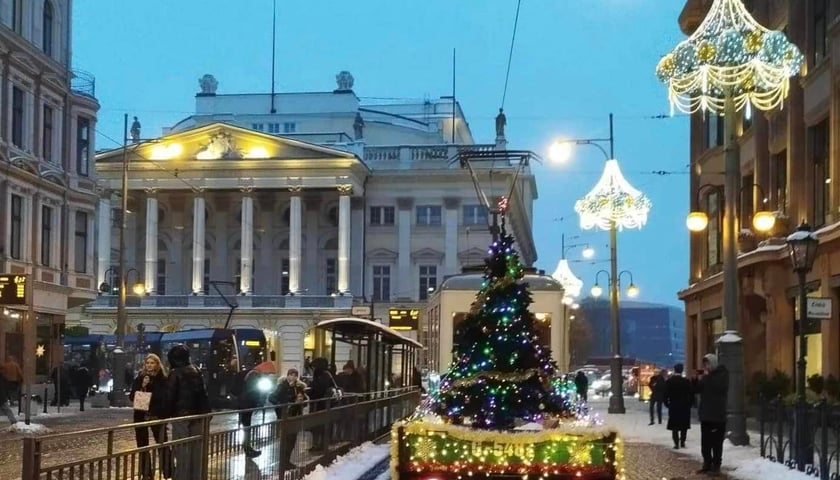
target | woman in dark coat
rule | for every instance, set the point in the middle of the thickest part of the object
(679, 398)
(152, 379)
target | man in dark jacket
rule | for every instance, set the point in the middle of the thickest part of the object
(321, 394)
(289, 397)
(679, 397)
(582, 386)
(657, 395)
(187, 396)
(248, 395)
(4, 400)
(82, 381)
(713, 386)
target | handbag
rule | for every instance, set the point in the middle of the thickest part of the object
(335, 391)
(142, 400)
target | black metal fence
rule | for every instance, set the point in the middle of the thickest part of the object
(213, 446)
(777, 430)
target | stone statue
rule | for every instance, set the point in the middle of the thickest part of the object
(221, 146)
(501, 121)
(344, 80)
(135, 131)
(359, 126)
(208, 84)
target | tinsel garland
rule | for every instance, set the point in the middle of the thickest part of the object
(580, 430)
(504, 376)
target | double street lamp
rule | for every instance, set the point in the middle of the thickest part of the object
(138, 287)
(632, 289)
(802, 245)
(697, 220)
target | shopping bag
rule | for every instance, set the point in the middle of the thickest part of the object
(142, 400)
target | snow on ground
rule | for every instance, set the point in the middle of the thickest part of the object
(31, 429)
(744, 463)
(352, 465)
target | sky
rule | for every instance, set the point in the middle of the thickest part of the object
(574, 62)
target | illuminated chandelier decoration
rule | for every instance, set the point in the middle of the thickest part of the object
(730, 55)
(613, 201)
(572, 285)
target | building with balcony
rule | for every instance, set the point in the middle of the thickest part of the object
(792, 156)
(306, 204)
(48, 193)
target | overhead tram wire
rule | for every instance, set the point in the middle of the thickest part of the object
(510, 53)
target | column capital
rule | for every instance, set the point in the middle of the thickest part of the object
(345, 189)
(295, 189)
(451, 202)
(405, 203)
(150, 191)
(246, 190)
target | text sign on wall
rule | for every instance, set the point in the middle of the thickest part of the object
(12, 289)
(403, 318)
(819, 308)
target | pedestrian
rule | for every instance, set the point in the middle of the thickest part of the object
(187, 395)
(4, 400)
(151, 381)
(712, 384)
(82, 381)
(657, 395)
(323, 391)
(13, 375)
(679, 398)
(290, 395)
(60, 377)
(248, 396)
(582, 386)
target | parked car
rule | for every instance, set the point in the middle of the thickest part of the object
(601, 386)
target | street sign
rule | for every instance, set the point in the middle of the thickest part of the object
(13, 289)
(819, 308)
(360, 311)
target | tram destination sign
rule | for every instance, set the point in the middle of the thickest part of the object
(403, 318)
(13, 289)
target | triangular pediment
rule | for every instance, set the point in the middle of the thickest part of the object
(382, 254)
(224, 142)
(427, 254)
(472, 254)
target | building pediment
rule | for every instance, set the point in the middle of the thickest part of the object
(471, 254)
(382, 254)
(427, 254)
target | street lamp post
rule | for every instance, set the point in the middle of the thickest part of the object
(731, 62)
(632, 289)
(611, 205)
(802, 245)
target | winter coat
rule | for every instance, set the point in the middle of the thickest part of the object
(82, 381)
(350, 382)
(287, 393)
(186, 391)
(679, 398)
(246, 389)
(581, 383)
(159, 404)
(713, 389)
(657, 388)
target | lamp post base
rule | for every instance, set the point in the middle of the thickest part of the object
(118, 396)
(616, 387)
(731, 355)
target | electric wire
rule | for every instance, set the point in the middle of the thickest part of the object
(510, 54)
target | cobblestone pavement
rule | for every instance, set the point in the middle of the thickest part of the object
(644, 461)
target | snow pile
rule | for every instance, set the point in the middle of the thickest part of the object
(352, 465)
(743, 463)
(31, 429)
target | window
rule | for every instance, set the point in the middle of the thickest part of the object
(284, 276)
(258, 126)
(205, 282)
(273, 128)
(819, 148)
(17, 16)
(713, 237)
(17, 117)
(331, 276)
(47, 141)
(83, 146)
(80, 245)
(16, 228)
(48, 28)
(747, 191)
(475, 215)
(428, 215)
(713, 125)
(46, 235)
(428, 280)
(819, 37)
(381, 215)
(780, 180)
(289, 127)
(160, 280)
(381, 283)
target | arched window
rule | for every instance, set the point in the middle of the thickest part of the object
(48, 20)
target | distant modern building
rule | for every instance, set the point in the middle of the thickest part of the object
(309, 203)
(650, 332)
(48, 190)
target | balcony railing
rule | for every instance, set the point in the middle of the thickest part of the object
(202, 301)
(83, 83)
(416, 156)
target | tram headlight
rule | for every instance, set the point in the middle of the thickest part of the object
(264, 385)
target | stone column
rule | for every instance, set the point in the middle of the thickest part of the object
(103, 240)
(198, 246)
(344, 191)
(150, 278)
(294, 241)
(451, 243)
(404, 277)
(246, 244)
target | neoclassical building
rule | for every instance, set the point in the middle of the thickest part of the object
(307, 204)
(48, 194)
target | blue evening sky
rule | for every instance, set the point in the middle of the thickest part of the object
(574, 62)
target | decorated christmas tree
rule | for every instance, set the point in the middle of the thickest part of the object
(501, 376)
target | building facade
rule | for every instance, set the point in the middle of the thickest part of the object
(306, 204)
(48, 190)
(788, 160)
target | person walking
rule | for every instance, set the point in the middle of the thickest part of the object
(248, 396)
(322, 393)
(712, 384)
(151, 381)
(657, 395)
(187, 396)
(679, 398)
(4, 401)
(582, 386)
(289, 396)
(82, 381)
(13, 375)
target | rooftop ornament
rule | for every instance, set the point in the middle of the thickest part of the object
(613, 202)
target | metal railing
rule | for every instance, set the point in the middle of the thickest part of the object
(777, 432)
(83, 83)
(212, 446)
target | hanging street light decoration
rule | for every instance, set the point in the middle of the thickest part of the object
(730, 55)
(613, 202)
(572, 285)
